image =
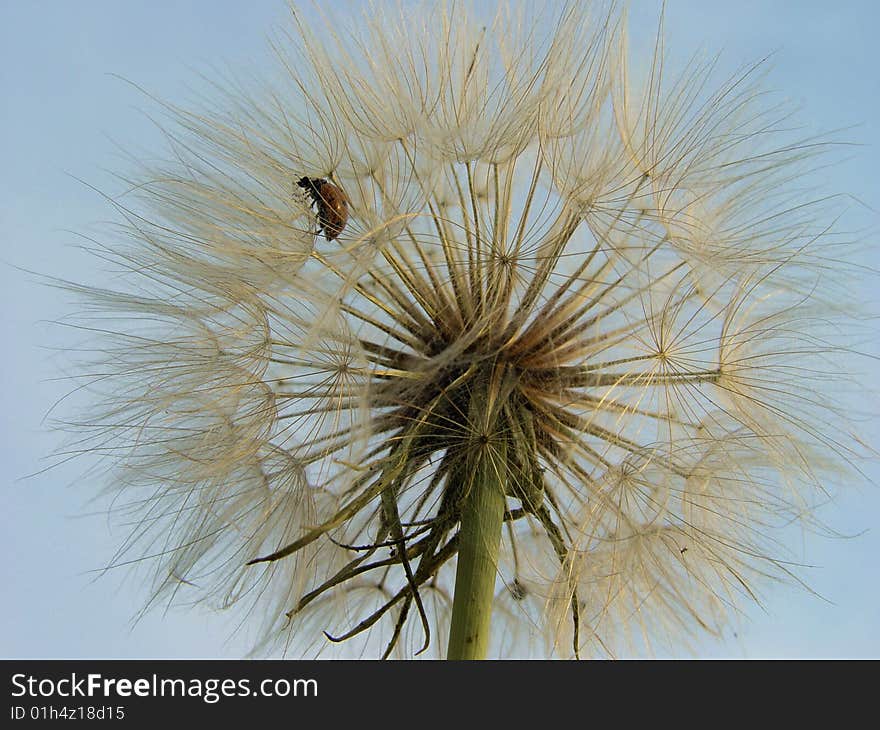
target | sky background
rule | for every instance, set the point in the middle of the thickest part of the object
(65, 114)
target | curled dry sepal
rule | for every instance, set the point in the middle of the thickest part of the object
(608, 285)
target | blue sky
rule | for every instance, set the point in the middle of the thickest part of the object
(66, 115)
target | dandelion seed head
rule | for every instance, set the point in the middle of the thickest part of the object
(609, 280)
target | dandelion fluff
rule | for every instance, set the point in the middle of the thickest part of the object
(598, 280)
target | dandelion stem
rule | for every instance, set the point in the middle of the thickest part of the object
(482, 517)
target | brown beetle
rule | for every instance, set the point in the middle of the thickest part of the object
(331, 202)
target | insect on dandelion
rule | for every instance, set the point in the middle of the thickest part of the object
(568, 355)
(331, 202)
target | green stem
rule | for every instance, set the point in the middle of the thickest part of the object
(482, 517)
